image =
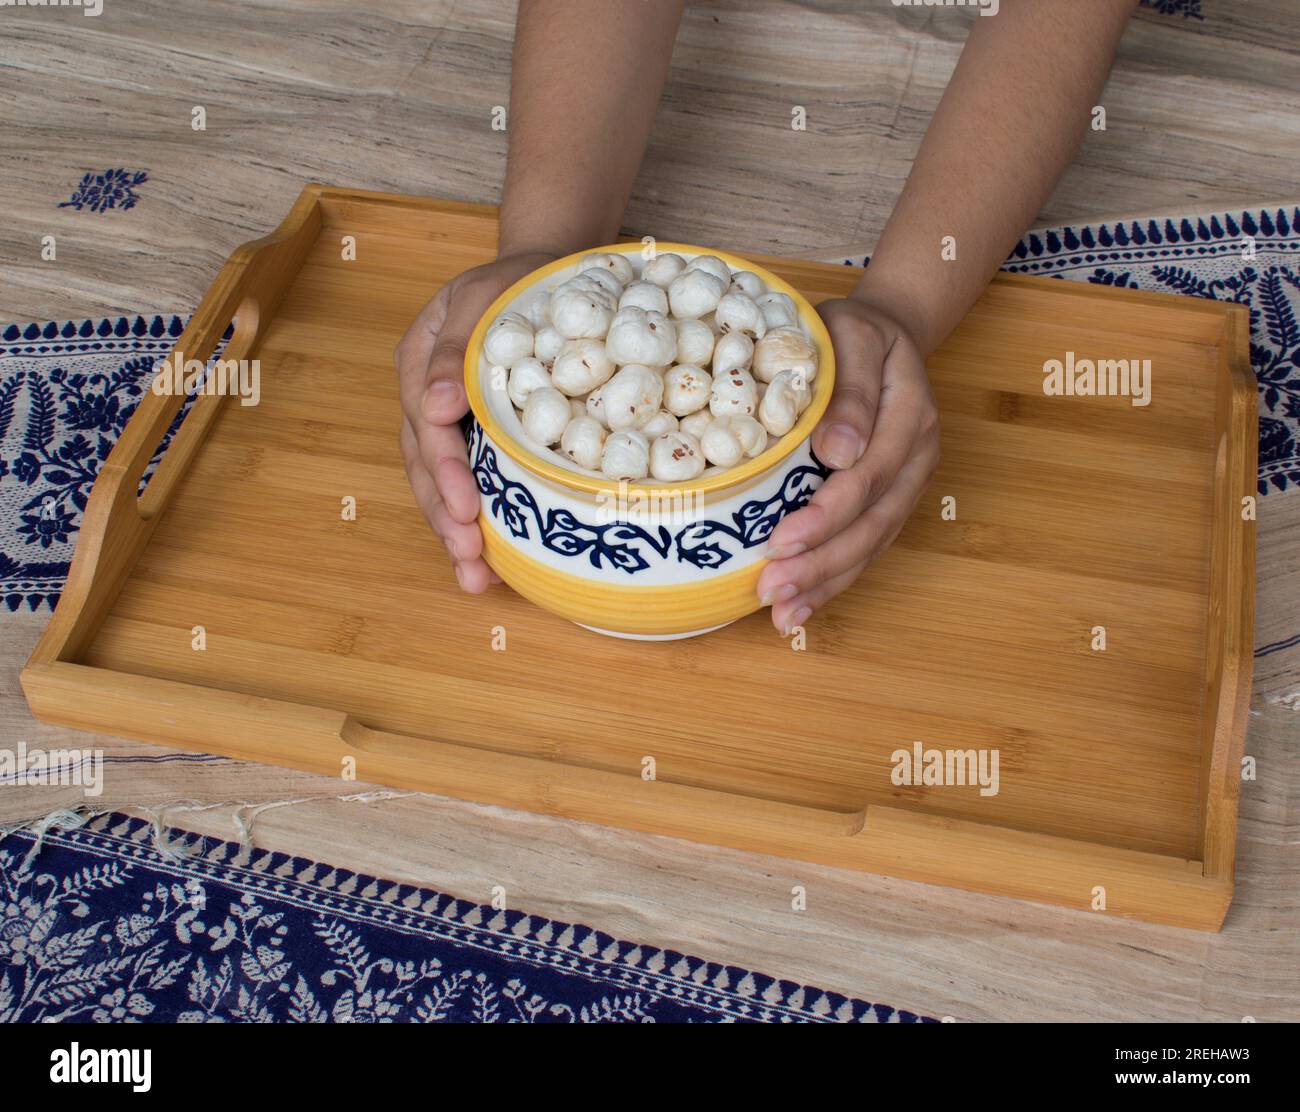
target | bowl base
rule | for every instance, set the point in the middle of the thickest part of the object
(654, 636)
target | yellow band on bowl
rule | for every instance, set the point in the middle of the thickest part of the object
(624, 608)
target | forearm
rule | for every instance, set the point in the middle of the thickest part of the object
(1007, 127)
(585, 82)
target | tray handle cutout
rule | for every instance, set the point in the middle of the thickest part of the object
(571, 791)
(119, 517)
(188, 438)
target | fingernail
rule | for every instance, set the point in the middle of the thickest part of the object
(784, 551)
(783, 593)
(440, 395)
(459, 577)
(797, 619)
(842, 446)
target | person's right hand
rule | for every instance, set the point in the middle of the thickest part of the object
(430, 361)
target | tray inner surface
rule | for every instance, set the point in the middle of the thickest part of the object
(974, 633)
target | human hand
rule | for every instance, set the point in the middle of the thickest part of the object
(880, 435)
(430, 361)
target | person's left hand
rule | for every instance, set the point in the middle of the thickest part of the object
(880, 435)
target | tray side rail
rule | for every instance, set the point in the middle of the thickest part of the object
(882, 839)
(1229, 661)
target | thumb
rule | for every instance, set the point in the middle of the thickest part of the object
(842, 434)
(445, 401)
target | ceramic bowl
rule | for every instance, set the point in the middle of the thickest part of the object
(648, 559)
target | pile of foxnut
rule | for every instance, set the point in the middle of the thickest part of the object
(688, 365)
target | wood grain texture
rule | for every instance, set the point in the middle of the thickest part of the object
(398, 95)
(342, 105)
(936, 951)
(968, 634)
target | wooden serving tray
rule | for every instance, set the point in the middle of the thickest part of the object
(332, 641)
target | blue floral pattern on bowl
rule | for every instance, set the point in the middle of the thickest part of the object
(624, 545)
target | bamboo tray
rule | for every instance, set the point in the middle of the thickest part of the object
(331, 643)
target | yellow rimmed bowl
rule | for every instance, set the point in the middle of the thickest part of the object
(647, 560)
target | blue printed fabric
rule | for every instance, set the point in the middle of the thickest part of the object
(96, 925)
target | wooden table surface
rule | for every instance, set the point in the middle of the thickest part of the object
(398, 96)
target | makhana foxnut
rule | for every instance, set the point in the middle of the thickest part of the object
(526, 376)
(577, 313)
(694, 342)
(605, 279)
(738, 313)
(753, 437)
(686, 389)
(662, 269)
(546, 415)
(662, 422)
(711, 264)
(778, 310)
(581, 366)
(645, 295)
(598, 366)
(625, 456)
(631, 397)
(509, 339)
(596, 406)
(748, 283)
(697, 422)
(726, 439)
(583, 441)
(603, 285)
(786, 397)
(675, 457)
(694, 293)
(636, 336)
(618, 265)
(733, 350)
(733, 394)
(547, 344)
(721, 443)
(538, 311)
(784, 349)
